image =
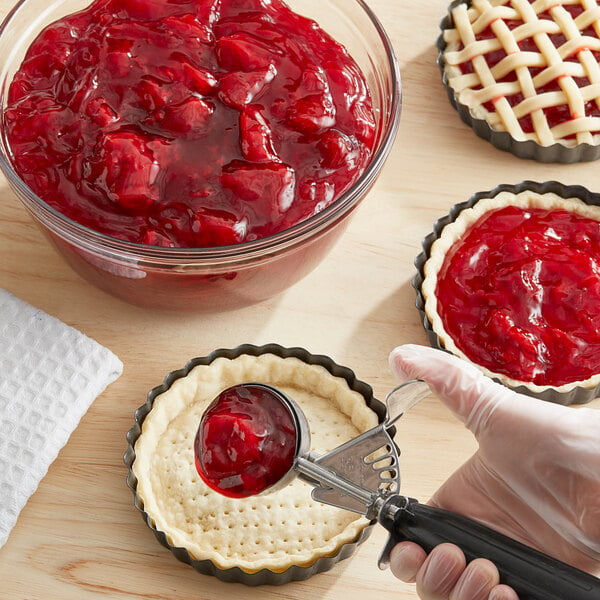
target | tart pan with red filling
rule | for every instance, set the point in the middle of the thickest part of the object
(510, 281)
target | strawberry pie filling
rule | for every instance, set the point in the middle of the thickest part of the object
(246, 442)
(193, 123)
(519, 294)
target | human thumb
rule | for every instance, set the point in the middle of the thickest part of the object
(461, 386)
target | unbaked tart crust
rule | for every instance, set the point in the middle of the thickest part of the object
(530, 69)
(273, 531)
(532, 291)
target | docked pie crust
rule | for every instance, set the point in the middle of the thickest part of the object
(572, 63)
(273, 531)
(452, 233)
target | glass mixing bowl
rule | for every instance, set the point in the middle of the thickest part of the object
(223, 277)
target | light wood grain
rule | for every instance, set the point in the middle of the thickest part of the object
(79, 537)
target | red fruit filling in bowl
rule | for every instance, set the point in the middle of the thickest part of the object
(188, 124)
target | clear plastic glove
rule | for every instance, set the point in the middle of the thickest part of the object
(535, 478)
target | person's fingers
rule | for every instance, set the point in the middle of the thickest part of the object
(440, 572)
(477, 581)
(459, 384)
(406, 558)
(444, 574)
(503, 592)
(467, 392)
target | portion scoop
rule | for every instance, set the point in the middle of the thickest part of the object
(246, 442)
(254, 439)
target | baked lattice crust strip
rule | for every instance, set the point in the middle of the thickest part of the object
(485, 85)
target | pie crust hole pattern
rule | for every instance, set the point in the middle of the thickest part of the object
(529, 68)
(276, 531)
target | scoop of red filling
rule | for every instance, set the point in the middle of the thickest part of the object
(246, 442)
(520, 294)
(188, 124)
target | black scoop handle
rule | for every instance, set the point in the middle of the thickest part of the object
(532, 574)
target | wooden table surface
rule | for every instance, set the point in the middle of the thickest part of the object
(79, 537)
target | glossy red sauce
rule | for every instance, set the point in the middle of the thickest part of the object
(555, 114)
(246, 442)
(191, 123)
(520, 295)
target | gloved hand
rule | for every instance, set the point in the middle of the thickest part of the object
(535, 478)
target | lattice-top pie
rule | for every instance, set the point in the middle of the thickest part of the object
(529, 69)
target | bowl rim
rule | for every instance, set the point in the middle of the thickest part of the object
(73, 231)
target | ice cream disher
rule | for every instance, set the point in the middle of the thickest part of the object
(253, 439)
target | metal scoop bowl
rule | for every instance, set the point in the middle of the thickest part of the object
(363, 476)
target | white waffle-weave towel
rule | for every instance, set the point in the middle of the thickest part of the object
(50, 374)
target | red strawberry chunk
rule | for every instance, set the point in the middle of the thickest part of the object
(239, 88)
(256, 137)
(518, 345)
(319, 194)
(190, 117)
(266, 189)
(188, 26)
(199, 79)
(151, 95)
(363, 123)
(337, 150)
(311, 114)
(314, 109)
(198, 228)
(218, 228)
(100, 111)
(128, 168)
(119, 64)
(32, 126)
(243, 52)
(349, 85)
(154, 237)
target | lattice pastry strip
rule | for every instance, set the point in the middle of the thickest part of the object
(507, 91)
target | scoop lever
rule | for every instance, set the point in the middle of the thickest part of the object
(364, 469)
